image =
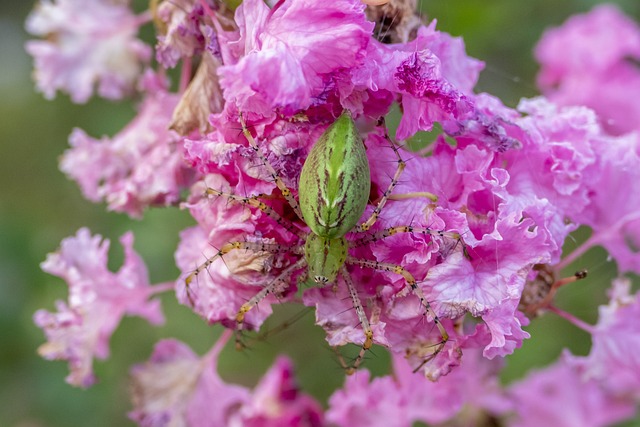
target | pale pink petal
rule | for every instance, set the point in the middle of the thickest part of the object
(140, 166)
(177, 388)
(612, 83)
(98, 299)
(614, 360)
(558, 395)
(88, 44)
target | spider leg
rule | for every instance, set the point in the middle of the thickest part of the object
(385, 196)
(268, 289)
(362, 317)
(225, 249)
(392, 231)
(255, 202)
(412, 284)
(280, 282)
(286, 192)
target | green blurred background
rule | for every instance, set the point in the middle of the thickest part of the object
(39, 207)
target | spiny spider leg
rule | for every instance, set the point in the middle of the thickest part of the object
(264, 335)
(385, 196)
(272, 172)
(362, 317)
(391, 231)
(411, 282)
(254, 201)
(225, 249)
(283, 278)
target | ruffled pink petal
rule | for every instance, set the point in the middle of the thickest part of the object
(98, 299)
(612, 84)
(139, 167)
(291, 51)
(176, 387)
(558, 395)
(88, 45)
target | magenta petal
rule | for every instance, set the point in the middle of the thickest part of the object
(291, 51)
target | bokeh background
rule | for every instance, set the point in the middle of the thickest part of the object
(39, 207)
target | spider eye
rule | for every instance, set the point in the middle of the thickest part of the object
(320, 279)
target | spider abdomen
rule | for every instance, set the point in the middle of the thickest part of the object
(335, 181)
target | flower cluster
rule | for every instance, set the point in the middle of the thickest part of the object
(513, 183)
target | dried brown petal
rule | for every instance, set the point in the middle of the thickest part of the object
(202, 97)
(396, 21)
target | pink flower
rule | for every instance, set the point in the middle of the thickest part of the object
(510, 213)
(276, 401)
(290, 53)
(614, 210)
(184, 36)
(140, 166)
(614, 360)
(589, 61)
(87, 44)
(560, 396)
(176, 387)
(98, 299)
(404, 398)
(574, 165)
(219, 292)
(192, 393)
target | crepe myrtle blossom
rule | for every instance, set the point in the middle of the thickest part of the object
(500, 190)
(561, 395)
(469, 395)
(192, 393)
(141, 166)
(592, 60)
(432, 73)
(582, 163)
(614, 361)
(597, 390)
(98, 299)
(88, 44)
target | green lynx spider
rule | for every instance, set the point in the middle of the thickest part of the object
(333, 192)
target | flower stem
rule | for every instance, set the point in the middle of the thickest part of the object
(219, 345)
(162, 287)
(574, 320)
(578, 252)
